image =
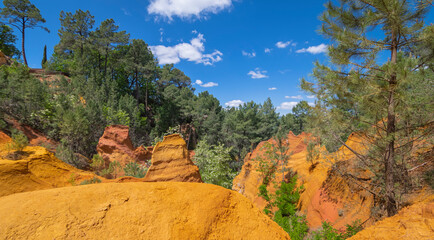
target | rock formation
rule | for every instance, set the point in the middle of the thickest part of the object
(35, 137)
(4, 59)
(115, 145)
(38, 169)
(326, 195)
(134, 211)
(171, 162)
(4, 139)
(414, 222)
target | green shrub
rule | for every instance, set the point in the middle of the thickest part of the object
(91, 181)
(19, 141)
(214, 162)
(329, 233)
(133, 169)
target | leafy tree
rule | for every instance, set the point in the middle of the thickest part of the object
(104, 39)
(7, 42)
(141, 68)
(19, 141)
(22, 14)
(207, 118)
(171, 75)
(301, 113)
(214, 164)
(268, 123)
(385, 100)
(69, 54)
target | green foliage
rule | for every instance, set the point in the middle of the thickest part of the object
(114, 117)
(329, 233)
(214, 164)
(312, 152)
(133, 169)
(7, 41)
(19, 141)
(91, 181)
(98, 163)
(296, 226)
(65, 154)
(429, 178)
(111, 170)
(388, 101)
(22, 14)
(170, 131)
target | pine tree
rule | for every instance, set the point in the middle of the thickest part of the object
(22, 14)
(364, 91)
(7, 41)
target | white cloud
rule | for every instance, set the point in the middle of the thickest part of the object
(206, 85)
(234, 103)
(257, 74)
(287, 105)
(267, 50)
(311, 104)
(283, 44)
(193, 52)
(210, 84)
(294, 97)
(161, 34)
(126, 12)
(322, 48)
(272, 88)
(311, 96)
(247, 54)
(187, 8)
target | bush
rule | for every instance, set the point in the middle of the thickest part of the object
(98, 163)
(133, 169)
(329, 233)
(65, 154)
(91, 181)
(214, 164)
(19, 141)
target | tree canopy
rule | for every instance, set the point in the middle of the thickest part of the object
(22, 14)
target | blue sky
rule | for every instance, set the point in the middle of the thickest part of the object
(239, 50)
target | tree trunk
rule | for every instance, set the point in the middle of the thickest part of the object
(22, 43)
(389, 157)
(146, 95)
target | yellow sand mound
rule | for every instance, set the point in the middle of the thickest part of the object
(164, 210)
(414, 222)
(38, 169)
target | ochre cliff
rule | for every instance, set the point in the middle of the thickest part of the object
(115, 145)
(135, 211)
(414, 222)
(38, 169)
(326, 195)
(171, 162)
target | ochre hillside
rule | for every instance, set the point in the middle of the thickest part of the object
(38, 169)
(135, 211)
(414, 222)
(327, 194)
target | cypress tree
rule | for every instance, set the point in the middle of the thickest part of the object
(44, 57)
